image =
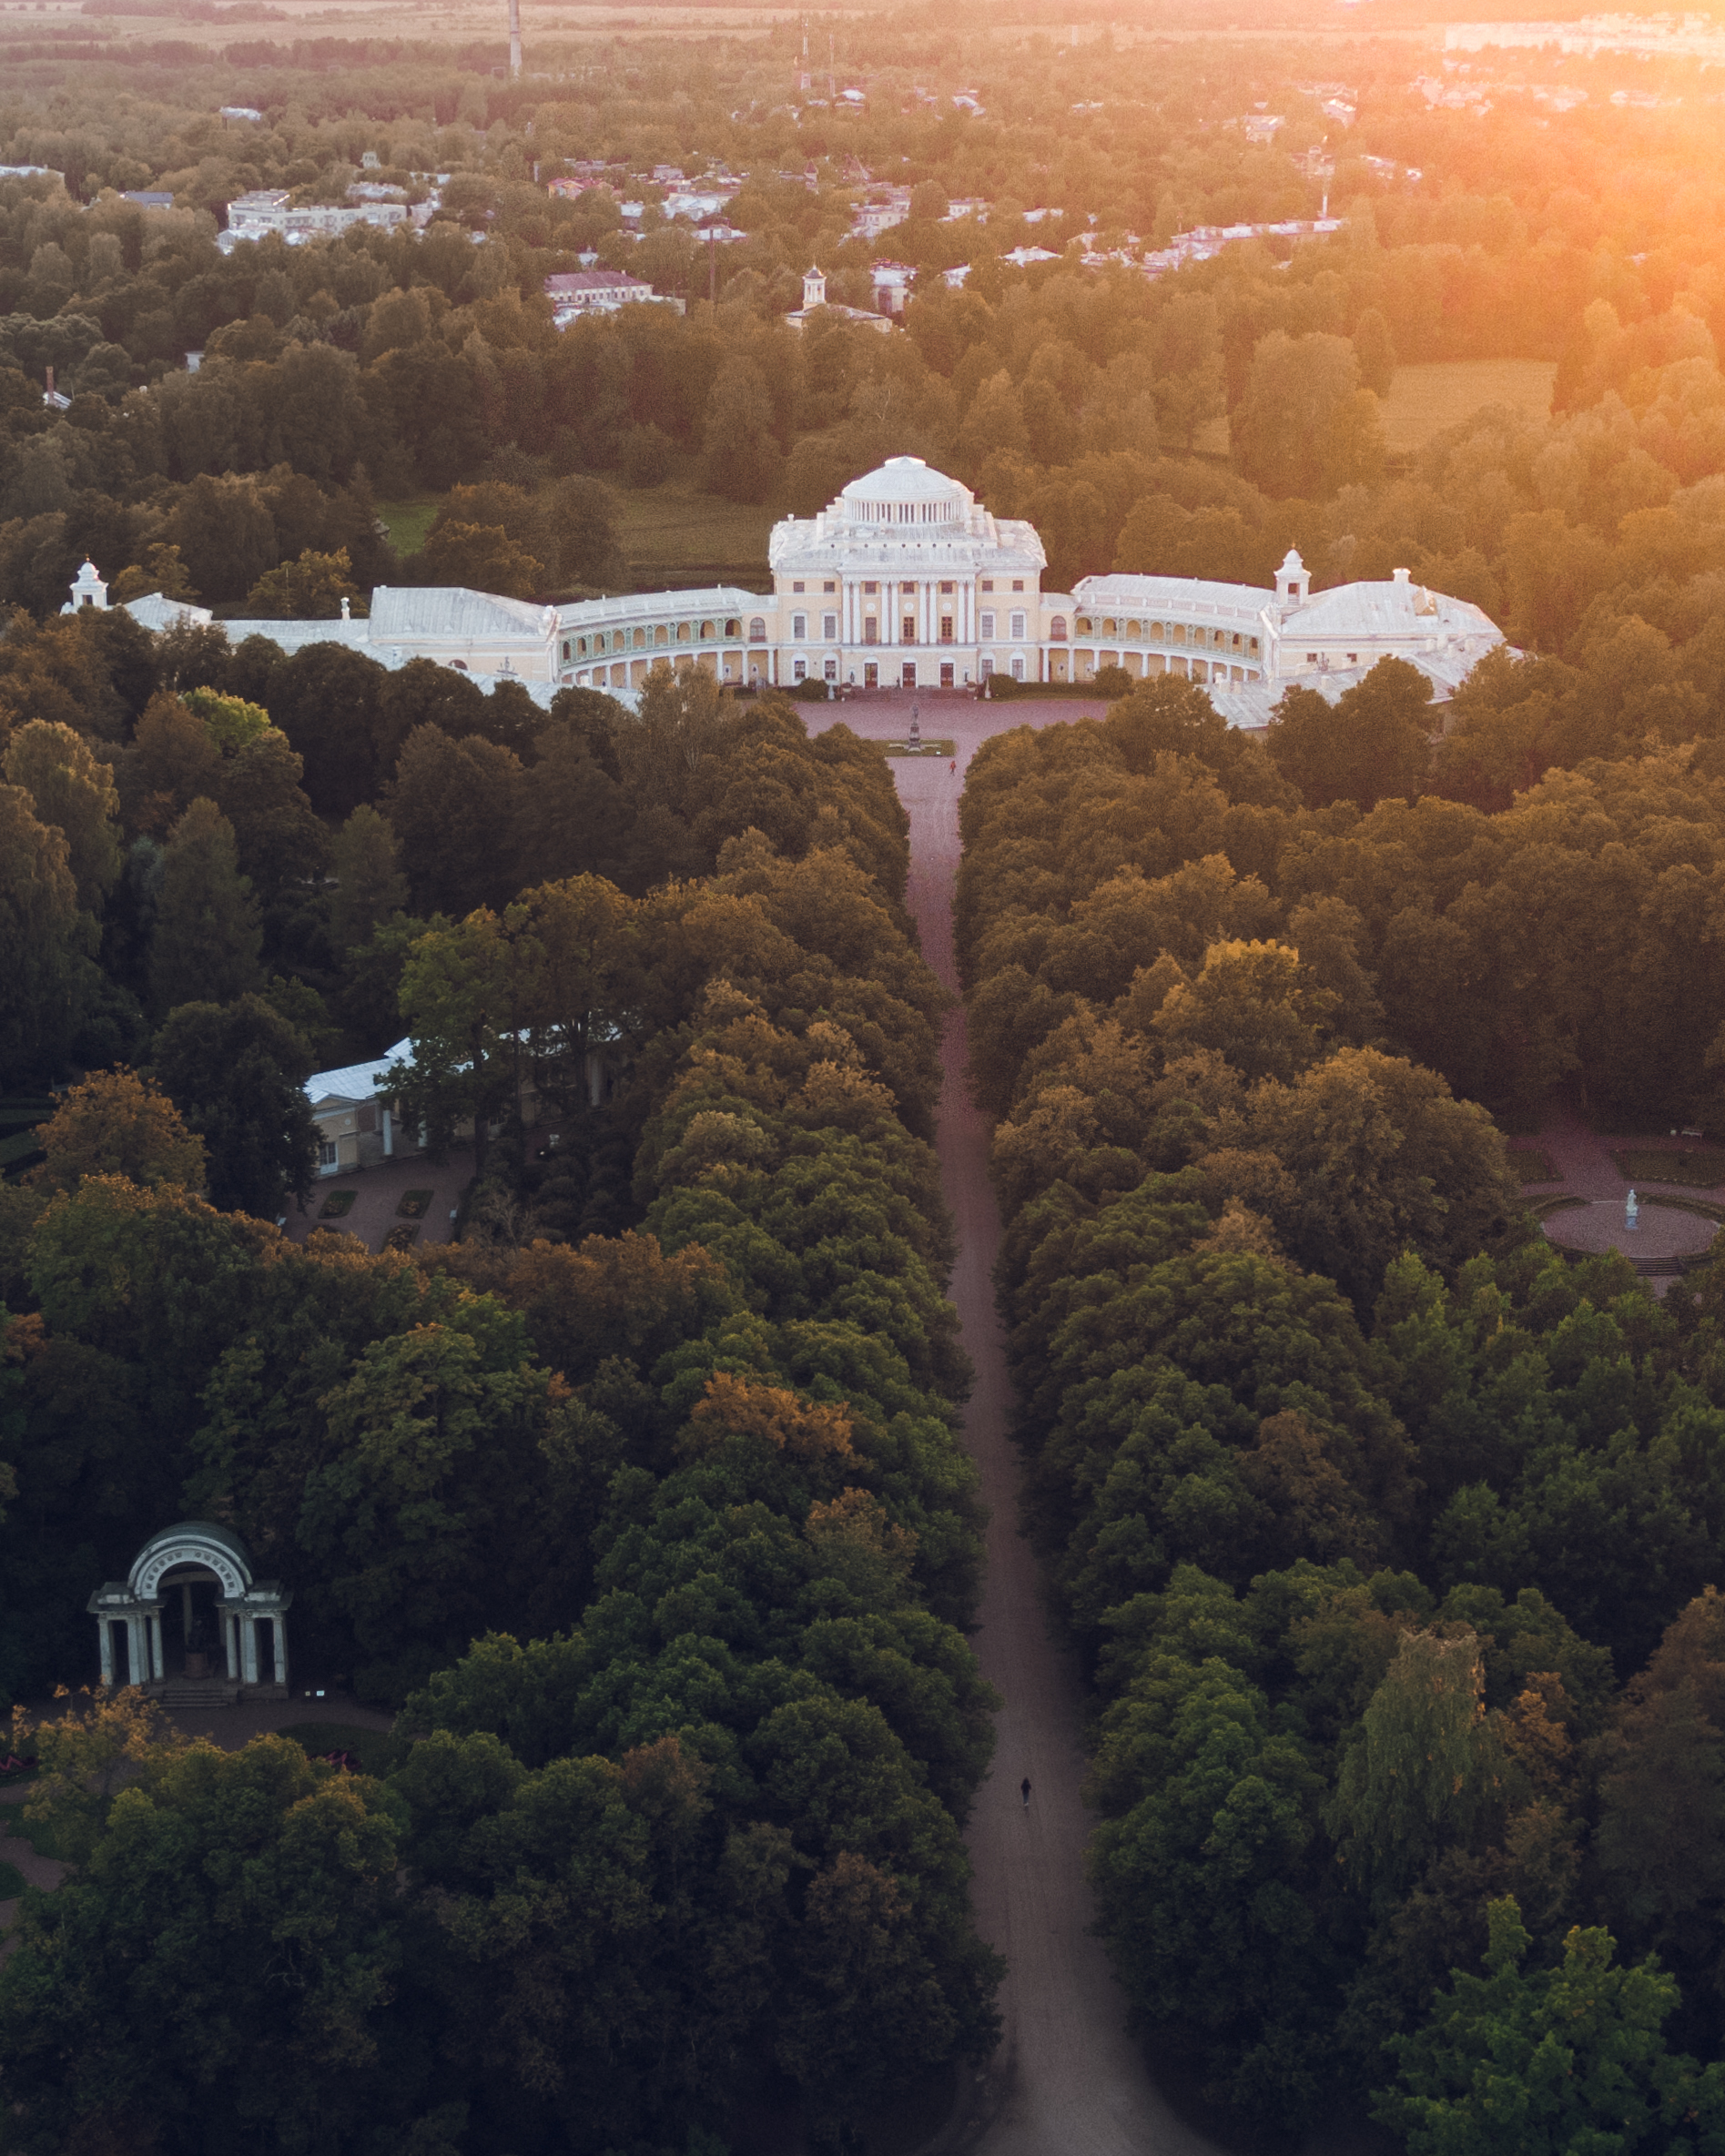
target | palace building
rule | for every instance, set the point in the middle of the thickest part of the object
(906, 581)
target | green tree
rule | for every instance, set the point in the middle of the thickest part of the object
(1373, 745)
(453, 807)
(370, 887)
(1423, 1768)
(43, 943)
(309, 589)
(1306, 427)
(236, 1072)
(116, 1123)
(75, 795)
(255, 1889)
(483, 558)
(741, 458)
(1568, 2061)
(457, 1000)
(207, 939)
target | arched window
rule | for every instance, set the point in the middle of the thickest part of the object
(734, 628)
(1084, 625)
(662, 635)
(1108, 628)
(1057, 629)
(756, 629)
(708, 634)
(641, 640)
(1155, 632)
(686, 631)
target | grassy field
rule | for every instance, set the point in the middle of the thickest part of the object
(673, 534)
(1424, 400)
(1702, 1168)
(408, 521)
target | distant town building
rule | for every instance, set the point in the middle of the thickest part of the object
(241, 112)
(815, 297)
(149, 197)
(266, 211)
(575, 293)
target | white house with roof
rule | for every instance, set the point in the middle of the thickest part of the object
(357, 1127)
(574, 293)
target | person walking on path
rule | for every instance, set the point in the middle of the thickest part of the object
(1024, 1791)
(952, 768)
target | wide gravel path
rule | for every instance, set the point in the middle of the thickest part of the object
(1069, 2078)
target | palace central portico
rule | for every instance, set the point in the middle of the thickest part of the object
(189, 1613)
(906, 581)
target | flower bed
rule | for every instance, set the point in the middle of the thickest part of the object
(337, 1203)
(413, 1204)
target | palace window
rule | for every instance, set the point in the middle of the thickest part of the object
(829, 587)
(908, 589)
(799, 671)
(869, 591)
(831, 670)
(1107, 629)
(985, 623)
(641, 640)
(871, 631)
(1084, 626)
(1056, 628)
(909, 635)
(799, 627)
(946, 591)
(733, 627)
(662, 635)
(1017, 583)
(829, 627)
(756, 629)
(987, 665)
(945, 628)
(706, 633)
(797, 587)
(1017, 627)
(987, 583)
(1156, 632)
(686, 632)
(1018, 670)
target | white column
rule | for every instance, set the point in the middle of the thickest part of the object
(230, 1645)
(281, 1648)
(248, 1650)
(137, 1652)
(389, 1135)
(104, 1630)
(155, 1627)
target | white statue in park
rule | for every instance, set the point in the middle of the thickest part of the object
(1632, 1213)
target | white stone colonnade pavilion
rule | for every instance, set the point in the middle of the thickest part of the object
(169, 1580)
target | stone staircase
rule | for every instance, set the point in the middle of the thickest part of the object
(200, 1692)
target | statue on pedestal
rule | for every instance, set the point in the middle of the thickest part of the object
(1632, 1213)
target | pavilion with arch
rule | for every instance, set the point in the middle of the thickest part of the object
(191, 1611)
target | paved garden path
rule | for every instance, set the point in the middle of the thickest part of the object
(1582, 1158)
(1068, 2078)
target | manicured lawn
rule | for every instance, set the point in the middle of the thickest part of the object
(408, 521)
(1425, 399)
(1703, 1166)
(675, 528)
(377, 1750)
(1531, 1165)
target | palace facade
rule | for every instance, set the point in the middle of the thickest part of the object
(906, 581)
